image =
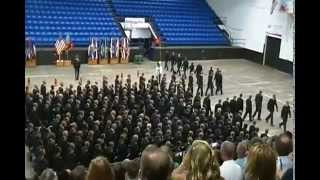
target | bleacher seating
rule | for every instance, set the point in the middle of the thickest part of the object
(179, 22)
(46, 20)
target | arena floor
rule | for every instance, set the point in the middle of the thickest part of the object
(239, 76)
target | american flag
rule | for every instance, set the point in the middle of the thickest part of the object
(60, 45)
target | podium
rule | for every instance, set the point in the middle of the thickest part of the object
(31, 63)
(63, 63)
(104, 61)
(92, 61)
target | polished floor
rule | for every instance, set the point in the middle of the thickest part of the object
(239, 76)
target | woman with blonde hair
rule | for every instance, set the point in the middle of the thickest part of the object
(261, 163)
(199, 163)
(100, 169)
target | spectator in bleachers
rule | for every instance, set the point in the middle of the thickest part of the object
(48, 174)
(78, 173)
(261, 163)
(229, 169)
(99, 169)
(199, 162)
(284, 147)
(155, 164)
(242, 150)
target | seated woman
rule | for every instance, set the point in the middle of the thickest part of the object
(199, 163)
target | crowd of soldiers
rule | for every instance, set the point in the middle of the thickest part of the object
(68, 126)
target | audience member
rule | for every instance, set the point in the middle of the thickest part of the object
(261, 163)
(155, 164)
(99, 169)
(229, 169)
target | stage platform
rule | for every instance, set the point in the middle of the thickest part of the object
(240, 76)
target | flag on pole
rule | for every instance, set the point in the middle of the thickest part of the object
(93, 49)
(117, 47)
(68, 42)
(30, 49)
(60, 45)
(101, 49)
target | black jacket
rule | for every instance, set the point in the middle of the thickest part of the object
(76, 63)
(248, 105)
(271, 104)
(258, 100)
(239, 104)
(285, 112)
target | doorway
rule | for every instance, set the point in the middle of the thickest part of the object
(271, 50)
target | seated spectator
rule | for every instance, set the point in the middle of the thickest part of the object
(78, 173)
(99, 169)
(200, 162)
(229, 169)
(131, 169)
(261, 163)
(48, 174)
(64, 175)
(154, 164)
(242, 150)
(284, 147)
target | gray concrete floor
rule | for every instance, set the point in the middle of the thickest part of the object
(239, 76)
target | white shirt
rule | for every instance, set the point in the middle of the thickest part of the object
(284, 163)
(230, 170)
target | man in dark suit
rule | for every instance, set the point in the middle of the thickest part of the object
(240, 103)
(207, 105)
(166, 59)
(191, 67)
(210, 81)
(185, 66)
(271, 104)
(226, 106)
(258, 100)
(43, 90)
(285, 113)
(198, 70)
(190, 82)
(218, 79)
(173, 61)
(233, 105)
(217, 106)
(76, 65)
(248, 109)
(179, 63)
(200, 84)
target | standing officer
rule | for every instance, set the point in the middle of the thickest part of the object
(218, 79)
(258, 100)
(76, 65)
(240, 103)
(207, 105)
(271, 104)
(43, 90)
(173, 61)
(285, 113)
(179, 63)
(248, 109)
(210, 81)
(191, 67)
(166, 59)
(185, 66)
(200, 83)
(190, 82)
